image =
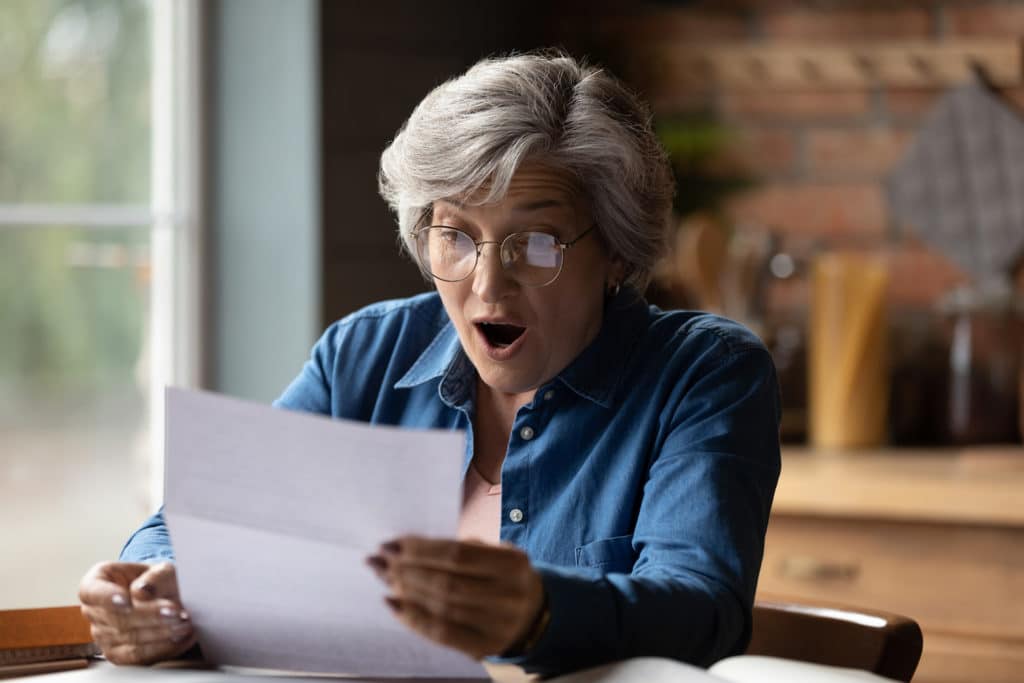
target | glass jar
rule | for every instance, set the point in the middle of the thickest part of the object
(984, 333)
(787, 343)
(919, 390)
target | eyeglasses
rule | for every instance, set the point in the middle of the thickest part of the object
(533, 259)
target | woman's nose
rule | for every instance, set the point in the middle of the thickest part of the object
(491, 282)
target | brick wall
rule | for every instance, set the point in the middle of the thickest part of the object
(816, 157)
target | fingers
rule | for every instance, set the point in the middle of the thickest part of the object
(141, 615)
(145, 635)
(475, 597)
(107, 584)
(464, 557)
(125, 653)
(158, 581)
(134, 612)
(464, 573)
(437, 588)
(460, 636)
(163, 634)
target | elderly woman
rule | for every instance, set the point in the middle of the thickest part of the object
(621, 460)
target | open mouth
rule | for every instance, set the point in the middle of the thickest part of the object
(500, 335)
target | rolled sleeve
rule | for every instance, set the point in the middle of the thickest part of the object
(150, 542)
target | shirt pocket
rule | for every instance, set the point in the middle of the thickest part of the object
(610, 555)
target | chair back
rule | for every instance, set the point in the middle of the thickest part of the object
(881, 642)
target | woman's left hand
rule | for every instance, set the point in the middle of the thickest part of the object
(478, 598)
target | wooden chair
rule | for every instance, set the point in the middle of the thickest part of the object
(883, 643)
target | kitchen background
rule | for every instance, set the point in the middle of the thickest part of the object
(784, 120)
(850, 185)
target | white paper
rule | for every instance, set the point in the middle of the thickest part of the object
(272, 514)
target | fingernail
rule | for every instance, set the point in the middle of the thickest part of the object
(171, 613)
(394, 603)
(392, 547)
(120, 601)
(380, 567)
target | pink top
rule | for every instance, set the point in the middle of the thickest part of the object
(481, 508)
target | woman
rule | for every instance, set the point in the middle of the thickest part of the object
(635, 451)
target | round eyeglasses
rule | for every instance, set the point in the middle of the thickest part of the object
(532, 259)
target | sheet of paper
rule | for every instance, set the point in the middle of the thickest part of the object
(272, 514)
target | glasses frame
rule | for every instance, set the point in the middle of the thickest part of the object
(479, 250)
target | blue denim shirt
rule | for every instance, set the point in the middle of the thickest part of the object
(639, 480)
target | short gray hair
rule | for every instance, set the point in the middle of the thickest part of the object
(475, 131)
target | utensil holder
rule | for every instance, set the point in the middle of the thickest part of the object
(848, 372)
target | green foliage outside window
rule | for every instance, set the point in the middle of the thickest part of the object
(74, 129)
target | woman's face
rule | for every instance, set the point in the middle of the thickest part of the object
(547, 326)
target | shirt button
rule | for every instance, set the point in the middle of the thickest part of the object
(516, 515)
(549, 394)
(526, 433)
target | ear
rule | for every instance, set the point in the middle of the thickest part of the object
(616, 273)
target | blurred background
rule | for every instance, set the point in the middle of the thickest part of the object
(188, 196)
(76, 235)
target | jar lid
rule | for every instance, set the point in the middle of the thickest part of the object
(994, 295)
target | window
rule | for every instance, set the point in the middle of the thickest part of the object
(98, 274)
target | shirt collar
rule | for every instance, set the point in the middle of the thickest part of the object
(443, 358)
(595, 374)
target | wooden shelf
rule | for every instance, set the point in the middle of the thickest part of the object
(973, 486)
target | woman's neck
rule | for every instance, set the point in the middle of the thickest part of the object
(501, 407)
(492, 427)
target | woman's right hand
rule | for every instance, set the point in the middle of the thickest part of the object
(135, 612)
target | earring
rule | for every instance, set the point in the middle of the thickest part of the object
(613, 290)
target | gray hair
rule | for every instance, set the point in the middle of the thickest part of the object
(475, 131)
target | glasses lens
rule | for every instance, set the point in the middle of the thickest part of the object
(448, 254)
(533, 258)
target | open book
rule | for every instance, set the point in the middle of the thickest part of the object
(741, 669)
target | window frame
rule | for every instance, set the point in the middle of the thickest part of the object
(178, 207)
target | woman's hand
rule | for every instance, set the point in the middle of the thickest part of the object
(135, 612)
(478, 598)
